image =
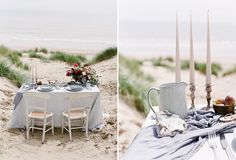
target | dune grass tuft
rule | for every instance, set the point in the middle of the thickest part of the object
(216, 68)
(134, 83)
(104, 55)
(15, 77)
(163, 62)
(13, 57)
(36, 55)
(230, 71)
(68, 58)
(4, 51)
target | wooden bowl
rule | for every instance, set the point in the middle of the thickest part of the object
(223, 109)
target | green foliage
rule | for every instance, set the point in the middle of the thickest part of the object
(10, 74)
(162, 62)
(216, 68)
(44, 50)
(184, 64)
(4, 51)
(134, 92)
(106, 54)
(169, 59)
(134, 83)
(13, 56)
(230, 71)
(68, 58)
(201, 67)
(36, 55)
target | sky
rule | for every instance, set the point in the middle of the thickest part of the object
(71, 25)
(89, 6)
(222, 11)
(147, 27)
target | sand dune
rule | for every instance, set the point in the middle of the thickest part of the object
(101, 144)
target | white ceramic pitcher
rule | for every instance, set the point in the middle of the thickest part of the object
(172, 97)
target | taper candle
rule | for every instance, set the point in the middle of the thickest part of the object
(177, 58)
(191, 65)
(36, 73)
(208, 64)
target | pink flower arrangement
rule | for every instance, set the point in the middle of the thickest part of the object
(83, 74)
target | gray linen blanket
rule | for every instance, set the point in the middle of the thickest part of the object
(147, 146)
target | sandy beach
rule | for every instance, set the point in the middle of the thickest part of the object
(221, 87)
(101, 144)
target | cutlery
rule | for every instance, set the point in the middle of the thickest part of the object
(212, 143)
(226, 147)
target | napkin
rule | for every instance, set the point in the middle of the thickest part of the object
(196, 119)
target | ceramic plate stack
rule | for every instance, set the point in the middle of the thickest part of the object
(74, 88)
(45, 88)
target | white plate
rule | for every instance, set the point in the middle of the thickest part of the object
(45, 88)
(74, 88)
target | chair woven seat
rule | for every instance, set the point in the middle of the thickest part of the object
(75, 114)
(39, 115)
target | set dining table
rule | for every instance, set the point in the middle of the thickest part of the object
(57, 104)
(146, 146)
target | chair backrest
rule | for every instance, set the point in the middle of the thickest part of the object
(70, 97)
(38, 97)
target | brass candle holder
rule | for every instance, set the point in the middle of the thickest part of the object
(192, 94)
(208, 96)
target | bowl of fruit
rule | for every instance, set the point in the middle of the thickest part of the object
(224, 106)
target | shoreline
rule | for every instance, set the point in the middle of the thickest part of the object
(222, 59)
(86, 52)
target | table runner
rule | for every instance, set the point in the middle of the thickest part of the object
(57, 105)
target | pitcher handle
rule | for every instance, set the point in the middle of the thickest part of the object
(149, 101)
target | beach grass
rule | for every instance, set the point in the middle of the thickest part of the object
(216, 68)
(162, 62)
(13, 57)
(133, 92)
(43, 50)
(104, 55)
(34, 54)
(134, 83)
(230, 71)
(68, 58)
(4, 51)
(14, 76)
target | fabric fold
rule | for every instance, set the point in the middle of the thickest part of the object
(147, 146)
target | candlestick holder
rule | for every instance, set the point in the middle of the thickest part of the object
(192, 95)
(208, 96)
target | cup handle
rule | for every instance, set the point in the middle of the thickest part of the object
(149, 101)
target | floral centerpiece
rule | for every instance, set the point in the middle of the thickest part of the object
(83, 74)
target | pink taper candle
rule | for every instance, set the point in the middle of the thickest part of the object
(191, 66)
(177, 58)
(208, 64)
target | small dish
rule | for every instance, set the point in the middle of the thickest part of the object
(223, 109)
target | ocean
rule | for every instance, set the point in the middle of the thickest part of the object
(145, 39)
(74, 26)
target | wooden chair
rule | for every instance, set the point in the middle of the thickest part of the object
(76, 114)
(37, 113)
